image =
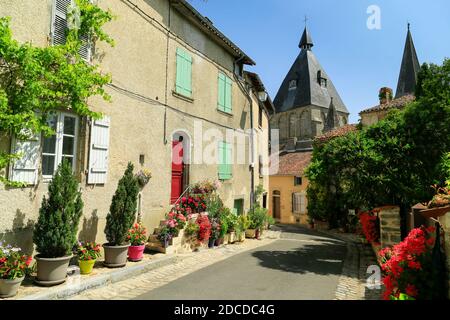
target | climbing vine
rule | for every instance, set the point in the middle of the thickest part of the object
(38, 81)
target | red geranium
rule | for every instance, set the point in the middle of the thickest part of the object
(204, 232)
(370, 226)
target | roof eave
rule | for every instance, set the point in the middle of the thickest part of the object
(204, 24)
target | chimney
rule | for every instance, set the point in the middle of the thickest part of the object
(385, 95)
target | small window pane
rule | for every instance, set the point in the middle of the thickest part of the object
(48, 165)
(69, 125)
(49, 145)
(68, 145)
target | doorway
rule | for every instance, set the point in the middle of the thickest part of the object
(276, 204)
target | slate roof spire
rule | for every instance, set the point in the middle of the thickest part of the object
(306, 42)
(409, 70)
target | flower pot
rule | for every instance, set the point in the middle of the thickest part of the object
(115, 256)
(257, 234)
(211, 243)
(86, 266)
(9, 288)
(136, 253)
(51, 271)
(218, 242)
(250, 233)
(232, 237)
(165, 243)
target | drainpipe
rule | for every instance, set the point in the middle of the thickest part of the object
(252, 167)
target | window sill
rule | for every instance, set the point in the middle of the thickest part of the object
(182, 97)
(230, 115)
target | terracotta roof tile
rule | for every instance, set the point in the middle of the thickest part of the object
(396, 103)
(293, 164)
(338, 132)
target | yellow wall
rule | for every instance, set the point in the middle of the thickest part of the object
(285, 184)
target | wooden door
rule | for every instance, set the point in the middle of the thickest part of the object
(276, 205)
(177, 171)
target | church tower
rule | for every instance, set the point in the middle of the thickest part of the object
(304, 100)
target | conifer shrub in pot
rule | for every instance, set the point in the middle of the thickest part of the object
(55, 233)
(120, 219)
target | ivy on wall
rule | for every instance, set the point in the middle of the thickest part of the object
(35, 81)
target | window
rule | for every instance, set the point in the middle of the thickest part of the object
(225, 93)
(321, 80)
(298, 181)
(260, 117)
(184, 73)
(292, 84)
(59, 28)
(225, 163)
(296, 203)
(61, 146)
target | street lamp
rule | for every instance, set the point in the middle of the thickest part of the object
(262, 96)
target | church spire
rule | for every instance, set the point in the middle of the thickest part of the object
(410, 68)
(306, 42)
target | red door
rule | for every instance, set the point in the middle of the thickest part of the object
(177, 171)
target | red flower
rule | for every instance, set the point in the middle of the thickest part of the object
(411, 290)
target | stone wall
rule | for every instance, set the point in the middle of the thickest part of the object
(389, 226)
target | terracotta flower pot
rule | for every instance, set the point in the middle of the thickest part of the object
(115, 256)
(51, 271)
(86, 266)
(136, 253)
(9, 288)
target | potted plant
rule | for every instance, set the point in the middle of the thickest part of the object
(204, 232)
(215, 231)
(137, 236)
(241, 228)
(55, 233)
(14, 266)
(165, 236)
(257, 218)
(119, 220)
(143, 177)
(233, 222)
(87, 256)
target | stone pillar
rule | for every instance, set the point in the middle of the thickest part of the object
(390, 230)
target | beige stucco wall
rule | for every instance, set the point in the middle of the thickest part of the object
(368, 119)
(138, 64)
(285, 185)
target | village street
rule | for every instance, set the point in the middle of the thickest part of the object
(299, 264)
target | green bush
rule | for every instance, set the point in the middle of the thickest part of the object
(122, 212)
(55, 233)
(257, 217)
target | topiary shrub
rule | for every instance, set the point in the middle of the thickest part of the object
(55, 233)
(122, 212)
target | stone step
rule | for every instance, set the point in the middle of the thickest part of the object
(158, 247)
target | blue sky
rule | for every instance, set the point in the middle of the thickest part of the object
(358, 60)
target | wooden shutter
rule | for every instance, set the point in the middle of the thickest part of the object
(25, 169)
(184, 73)
(225, 167)
(228, 95)
(296, 203)
(99, 151)
(59, 23)
(303, 204)
(221, 88)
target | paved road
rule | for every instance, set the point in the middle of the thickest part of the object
(300, 266)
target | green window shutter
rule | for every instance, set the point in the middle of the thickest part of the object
(184, 73)
(228, 95)
(221, 88)
(225, 166)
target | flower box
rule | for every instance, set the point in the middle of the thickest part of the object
(250, 233)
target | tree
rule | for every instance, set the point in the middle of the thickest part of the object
(55, 233)
(122, 212)
(392, 162)
(36, 82)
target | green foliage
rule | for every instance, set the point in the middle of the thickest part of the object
(392, 162)
(122, 212)
(214, 205)
(257, 218)
(55, 233)
(192, 229)
(38, 81)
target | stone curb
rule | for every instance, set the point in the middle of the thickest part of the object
(80, 286)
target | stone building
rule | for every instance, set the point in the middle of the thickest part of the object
(406, 86)
(307, 103)
(178, 91)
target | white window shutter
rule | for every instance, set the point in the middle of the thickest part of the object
(25, 169)
(99, 151)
